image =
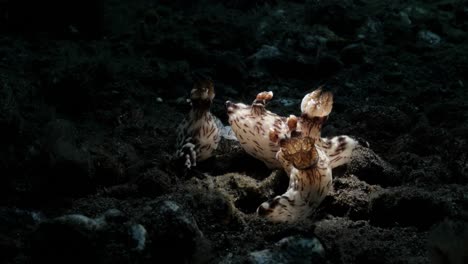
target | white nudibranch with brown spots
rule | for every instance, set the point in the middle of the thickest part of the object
(199, 134)
(252, 124)
(295, 144)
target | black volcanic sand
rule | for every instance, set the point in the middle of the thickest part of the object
(92, 91)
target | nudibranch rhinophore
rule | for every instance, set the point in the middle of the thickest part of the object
(198, 135)
(294, 144)
(310, 179)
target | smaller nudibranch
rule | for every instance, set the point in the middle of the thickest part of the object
(310, 179)
(252, 123)
(198, 135)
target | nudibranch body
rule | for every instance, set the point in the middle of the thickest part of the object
(310, 179)
(251, 125)
(198, 135)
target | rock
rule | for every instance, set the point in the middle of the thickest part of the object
(138, 234)
(431, 170)
(369, 167)
(408, 207)
(340, 16)
(13, 217)
(455, 35)
(383, 119)
(214, 205)
(62, 166)
(76, 238)
(154, 182)
(67, 239)
(448, 242)
(359, 242)
(349, 197)
(59, 129)
(57, 17)
(418, 15)
(429, 38)
(174, 233)
(293, 249)
(15, 225)
(262, 58)
(229, 156)
(108, 170)
(310, 43)
(397, 28)
(353, 54)
(9, 248)
(328, 65)
(371, 31)
(114, 216)
(446, 114)
(283, 62)
(229, 66)
(246, 5)
(393, 77)
(115, 163)
(11, 120)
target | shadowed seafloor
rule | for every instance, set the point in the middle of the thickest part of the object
(91, 93)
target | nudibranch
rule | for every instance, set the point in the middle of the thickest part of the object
(251, 125)
(294, 144)
(198, 135)
(310, 179)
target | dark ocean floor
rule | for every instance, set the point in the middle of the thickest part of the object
(91, 96)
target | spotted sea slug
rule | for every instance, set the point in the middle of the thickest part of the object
(199, 134)
(252, 124)
(294, 144)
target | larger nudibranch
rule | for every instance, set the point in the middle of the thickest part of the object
(308, 159)
(199, 134)
(310, 179)
(252, 124)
